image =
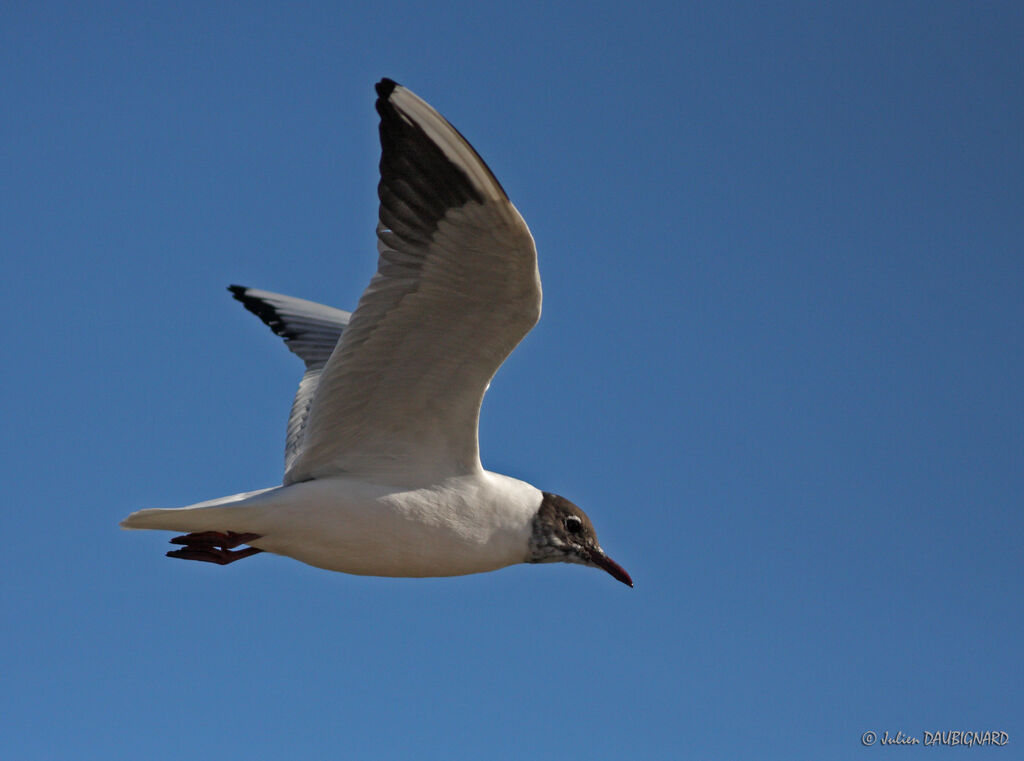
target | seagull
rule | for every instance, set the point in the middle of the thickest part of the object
(382, 461)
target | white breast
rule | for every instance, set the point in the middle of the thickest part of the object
(467, 524)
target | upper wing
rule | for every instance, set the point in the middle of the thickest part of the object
(456, 289)
(311, 331)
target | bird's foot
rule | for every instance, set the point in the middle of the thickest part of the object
(213, 547)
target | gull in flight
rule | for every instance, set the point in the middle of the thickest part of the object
(382, 463)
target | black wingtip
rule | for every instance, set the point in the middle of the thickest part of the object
(385, 87)
(241, 293)
(266, 312)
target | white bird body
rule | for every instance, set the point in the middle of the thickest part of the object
(382, 464)
(461, 525)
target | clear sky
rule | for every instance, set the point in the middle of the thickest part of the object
(780, 365)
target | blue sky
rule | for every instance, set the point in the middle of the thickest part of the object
(779, 365)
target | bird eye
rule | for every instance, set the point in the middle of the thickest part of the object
(573, 525)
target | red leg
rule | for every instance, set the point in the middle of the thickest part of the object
(213, 547)
(226, 540)
(212, 554)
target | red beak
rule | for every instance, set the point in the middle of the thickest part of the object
(604, 562)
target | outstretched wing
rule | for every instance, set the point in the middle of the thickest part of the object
(311, 331)
(455, 291)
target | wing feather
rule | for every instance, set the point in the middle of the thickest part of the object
(455, 291)
(311, 331)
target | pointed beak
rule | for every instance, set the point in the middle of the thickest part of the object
(604, 562)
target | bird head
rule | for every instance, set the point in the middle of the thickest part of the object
(562, 533)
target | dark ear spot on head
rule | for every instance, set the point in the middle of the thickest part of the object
(561, 532)
(563, 518)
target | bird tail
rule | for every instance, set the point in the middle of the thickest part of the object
(202, 516)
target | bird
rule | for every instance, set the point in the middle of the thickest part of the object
(383, 475)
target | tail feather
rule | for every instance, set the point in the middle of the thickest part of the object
(202, 516)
